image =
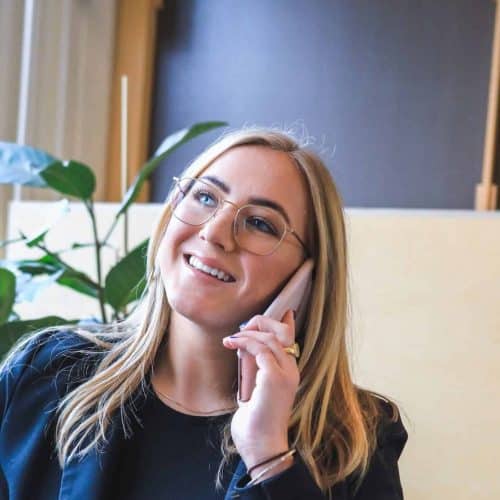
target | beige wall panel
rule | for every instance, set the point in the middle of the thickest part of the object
(426, 301)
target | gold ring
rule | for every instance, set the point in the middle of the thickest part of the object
(294, 350)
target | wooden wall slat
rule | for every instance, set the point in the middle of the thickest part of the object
(134, 57)
(487, 191)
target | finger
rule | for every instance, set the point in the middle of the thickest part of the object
(284, 329)
(266, 338)
(256, 342)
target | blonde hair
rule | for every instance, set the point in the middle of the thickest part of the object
(333, 422)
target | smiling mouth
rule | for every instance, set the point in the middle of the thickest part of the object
(217, 274)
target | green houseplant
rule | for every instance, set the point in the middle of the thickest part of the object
(123, 283)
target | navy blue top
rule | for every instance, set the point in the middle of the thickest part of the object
(182, 464)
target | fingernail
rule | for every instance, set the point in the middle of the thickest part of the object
(233, 336)
(228, 342)
(243, 325)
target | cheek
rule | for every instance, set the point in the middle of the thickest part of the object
(264, 282)
(174, 235)
(169, 251)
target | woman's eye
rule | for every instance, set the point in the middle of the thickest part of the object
(261, 225)
(205, 198)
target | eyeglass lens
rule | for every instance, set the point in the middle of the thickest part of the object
(257, 229)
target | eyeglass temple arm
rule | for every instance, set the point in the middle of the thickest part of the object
(299, 239)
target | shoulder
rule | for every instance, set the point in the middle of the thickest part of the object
(56, 358)
(381, 478)
(391, 431)
(383, 420)
(47, 351)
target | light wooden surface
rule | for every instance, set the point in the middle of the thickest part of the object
(134, 57)
(487, 191)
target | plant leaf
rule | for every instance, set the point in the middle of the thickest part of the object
(171, 143)
(79, 283)
(71, 178)
(22, 164)
(35, 267)
(28, 288)
(76, 280)
(125, 281)
(10, 332)
(7, 293)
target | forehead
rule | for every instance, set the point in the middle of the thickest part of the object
(259, 171)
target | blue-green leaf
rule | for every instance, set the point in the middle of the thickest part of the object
(23, 164)
(28, 288)
(49, 264)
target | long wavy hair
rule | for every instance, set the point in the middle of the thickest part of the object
(333, 422)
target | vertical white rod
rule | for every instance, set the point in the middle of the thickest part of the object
(123, 134)
(22, 116)
(63, 79)
(124, 161)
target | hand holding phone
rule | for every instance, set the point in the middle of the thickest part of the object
(294, 295)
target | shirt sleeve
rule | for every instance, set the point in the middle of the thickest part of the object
(381, 482)
(294, 483)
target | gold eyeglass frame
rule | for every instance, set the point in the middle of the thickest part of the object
(220, 202)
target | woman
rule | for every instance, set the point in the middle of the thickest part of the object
(139, 409)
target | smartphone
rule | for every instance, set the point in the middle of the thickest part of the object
(294, 295)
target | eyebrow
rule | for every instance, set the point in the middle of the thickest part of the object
(217, 182)
(265, 202)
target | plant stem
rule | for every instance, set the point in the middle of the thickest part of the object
(90, 208)
(86, 245)
(55, 255)
(8, 242)
(110, 230)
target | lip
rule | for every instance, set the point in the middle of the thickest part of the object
(211, 263)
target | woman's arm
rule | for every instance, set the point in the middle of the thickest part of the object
(382, 481)
(260, 426)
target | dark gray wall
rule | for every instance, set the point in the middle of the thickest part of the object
(394, 91)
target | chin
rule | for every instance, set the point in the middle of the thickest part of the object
(202, 313)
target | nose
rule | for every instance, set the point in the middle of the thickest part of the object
(219, 229)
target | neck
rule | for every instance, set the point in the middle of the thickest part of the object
(194, 368)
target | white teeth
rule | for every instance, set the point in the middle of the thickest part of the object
(196, 263)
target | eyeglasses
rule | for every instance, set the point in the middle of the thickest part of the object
(257, 229)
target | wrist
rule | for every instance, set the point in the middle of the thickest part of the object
(280, 467)
(258, 454)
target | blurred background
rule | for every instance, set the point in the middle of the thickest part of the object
(400, 99)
